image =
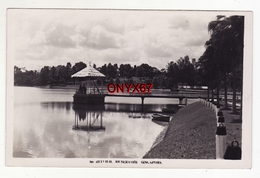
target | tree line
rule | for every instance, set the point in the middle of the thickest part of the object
(182, 72)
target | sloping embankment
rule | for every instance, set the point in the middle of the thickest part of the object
(190, 135)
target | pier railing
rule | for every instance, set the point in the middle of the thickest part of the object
(163, 94)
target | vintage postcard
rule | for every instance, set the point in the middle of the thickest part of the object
(129, 88)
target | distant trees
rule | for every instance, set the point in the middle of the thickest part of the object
(78, 66)
(183, 71)
(126, 71)
(111, 71)
(144, 70)
(180, 72)
(59, 75)
(26, 78)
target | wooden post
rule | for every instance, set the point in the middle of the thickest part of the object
(142, 100)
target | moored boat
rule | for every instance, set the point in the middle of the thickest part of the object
(161, 123)
(166, 110)
(161, 117)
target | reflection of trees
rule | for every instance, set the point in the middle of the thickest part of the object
(59, 105)
(137, 108)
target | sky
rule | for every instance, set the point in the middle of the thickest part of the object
(55, 37)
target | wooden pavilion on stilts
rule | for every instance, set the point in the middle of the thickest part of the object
(88, 92)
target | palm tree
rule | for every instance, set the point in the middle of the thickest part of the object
(227, 38)
(207, 68)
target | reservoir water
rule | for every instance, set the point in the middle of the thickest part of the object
(47, 124)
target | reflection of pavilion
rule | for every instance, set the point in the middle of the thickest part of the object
(88, 120)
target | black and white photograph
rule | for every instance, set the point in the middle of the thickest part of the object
(129, 88)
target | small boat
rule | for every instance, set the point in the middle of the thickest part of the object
(166, 110)
(137, 117)
(161, 123)
(161, 117)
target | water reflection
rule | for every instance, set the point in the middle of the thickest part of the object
(48, 125)
(110, 107)
(62, 129)
(86, 120)
(57, 105)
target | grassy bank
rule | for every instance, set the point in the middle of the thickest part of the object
(190, 135)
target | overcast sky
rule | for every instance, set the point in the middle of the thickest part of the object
(55, 37)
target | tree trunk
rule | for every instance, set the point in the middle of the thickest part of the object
(241, 103)
(212, 96)
(234, 102)
(241, 99)
(208, 93)
(218, 83)
(225, 87)
(218, 95)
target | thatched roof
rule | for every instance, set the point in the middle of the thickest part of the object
(88, 71)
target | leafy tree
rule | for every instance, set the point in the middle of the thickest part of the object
(163, 83)
(125, 70)
(144, 70)
(155, 82)
(117, 81)
(111, 80)
(186, 71)
(227, 38)
(111, 71)
(130, 81)
(172, 73)
(78, 66)
(103, 69)
(61, 74)
(68, 72)
(53, 76)
(17, 75)
(25, 78)
(45, 75)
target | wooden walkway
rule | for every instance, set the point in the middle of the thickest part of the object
(178, 96)
(92, 98)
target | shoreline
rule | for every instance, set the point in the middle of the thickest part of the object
(195, 140)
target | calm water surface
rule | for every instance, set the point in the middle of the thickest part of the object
(47, 124)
